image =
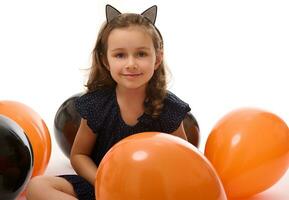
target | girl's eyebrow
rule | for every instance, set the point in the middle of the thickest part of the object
(143, 48)
(117, 49)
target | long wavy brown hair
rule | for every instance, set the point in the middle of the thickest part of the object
(100, 77)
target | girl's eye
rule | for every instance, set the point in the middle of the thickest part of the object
(119, 55)
(142, 54)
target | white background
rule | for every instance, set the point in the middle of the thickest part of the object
(222, 54)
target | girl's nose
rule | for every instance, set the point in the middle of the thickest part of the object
(131, 67)
(131, 64)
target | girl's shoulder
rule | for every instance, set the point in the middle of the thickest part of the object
(173, 113)
(94, 106)
(96, 96)
(172, 101)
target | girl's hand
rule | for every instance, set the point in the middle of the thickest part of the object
(180, 132)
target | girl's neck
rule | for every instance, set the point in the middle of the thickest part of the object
(130, 102)
(131, 95)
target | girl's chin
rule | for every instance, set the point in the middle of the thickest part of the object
(132, 86)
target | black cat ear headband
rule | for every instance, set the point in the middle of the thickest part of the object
(150, 13)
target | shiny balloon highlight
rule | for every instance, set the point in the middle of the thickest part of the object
(16, 159)
(35, 129)
(249, 148)
(153, 165)
(66, 124)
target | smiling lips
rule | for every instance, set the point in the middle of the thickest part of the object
(132, 75)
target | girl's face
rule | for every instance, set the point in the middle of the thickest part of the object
(131, 57)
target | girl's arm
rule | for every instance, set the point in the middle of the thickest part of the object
(180, 132)
(80, 152)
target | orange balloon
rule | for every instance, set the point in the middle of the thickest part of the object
(155, 165)
(35, 129)
(249, 148)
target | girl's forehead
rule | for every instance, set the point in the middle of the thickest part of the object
(132, 28)
(129, 37)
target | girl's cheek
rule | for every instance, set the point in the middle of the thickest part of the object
(147, 62)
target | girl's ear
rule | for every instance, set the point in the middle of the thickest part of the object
(159, 58)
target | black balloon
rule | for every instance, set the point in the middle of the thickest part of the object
(67, 121)
(192, 129)
(16, 159)
(66, 124)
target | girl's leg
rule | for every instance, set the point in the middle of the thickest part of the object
(48, 187)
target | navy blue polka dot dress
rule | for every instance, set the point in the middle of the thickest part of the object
(102, 112)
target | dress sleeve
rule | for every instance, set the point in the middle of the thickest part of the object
(92, 106)
(174, 112)
(81, 105)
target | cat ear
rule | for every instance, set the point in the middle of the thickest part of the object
(111, 13)
(151, 14)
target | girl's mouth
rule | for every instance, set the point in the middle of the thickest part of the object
(132, 75)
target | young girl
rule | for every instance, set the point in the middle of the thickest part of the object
(126, 95)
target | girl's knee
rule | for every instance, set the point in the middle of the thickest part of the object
(35, 185)
(35, 182)
(42, 185)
